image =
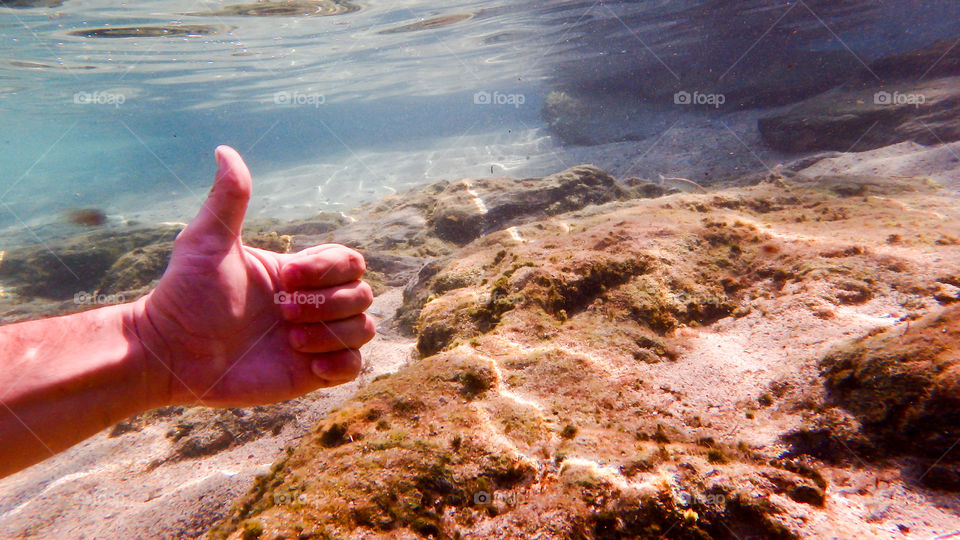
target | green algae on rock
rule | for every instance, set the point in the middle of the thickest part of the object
(904, 384)
(270, 241)
(106, 262)
(78, 263)
(136, 269)
(409, 476)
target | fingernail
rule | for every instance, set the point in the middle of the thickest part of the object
(290, 311)
(298, 338)
(218, 155)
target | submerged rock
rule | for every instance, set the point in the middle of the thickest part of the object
(87, 217)
(913, 96)
(470, 208)
(201, 431)
(940, 59)
(270, 241)
(319, 224)
(108, 262)
(864, 116)
(64, 268)
(904, 384)
(667, 57)
(434, 220)
(568, 117)
(563, 387)
(137, 269)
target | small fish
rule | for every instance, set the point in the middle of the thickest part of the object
(682, 184)
(87, 217)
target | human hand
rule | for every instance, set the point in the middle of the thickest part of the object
(214, 332)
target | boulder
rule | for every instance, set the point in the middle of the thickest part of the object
(913, 96)
(137, 269)
(61, 269)
(468, 209)
(863, 116)
(941, 59)
(903, 384)
(432, 220)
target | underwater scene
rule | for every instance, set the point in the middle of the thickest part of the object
(641, 268)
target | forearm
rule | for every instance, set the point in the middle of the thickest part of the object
(64, 379)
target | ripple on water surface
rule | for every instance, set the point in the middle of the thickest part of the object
(286, 9)
(429, 24)
(180, 30)
(32, 3)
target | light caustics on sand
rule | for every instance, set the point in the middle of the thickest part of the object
(566, 349)
(605, 472)
(572, 465)
(481, 206)
(500, 386)
(906, 208)
(515, 234)
(683, 184)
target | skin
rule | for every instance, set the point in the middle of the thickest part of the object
(222, 329)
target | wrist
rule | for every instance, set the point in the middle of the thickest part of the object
(149, 370)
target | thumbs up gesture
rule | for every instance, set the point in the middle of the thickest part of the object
(230, 325)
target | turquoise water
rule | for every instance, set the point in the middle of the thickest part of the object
(333, 111)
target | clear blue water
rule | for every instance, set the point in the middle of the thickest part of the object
(332, 111)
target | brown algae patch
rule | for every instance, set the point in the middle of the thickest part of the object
(904, 383)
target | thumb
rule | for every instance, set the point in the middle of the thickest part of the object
(220, 221)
